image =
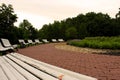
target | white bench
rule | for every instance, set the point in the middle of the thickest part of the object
(37, 41)
(23, 43)
(15, 66)
(54, 40)
(7, 43)
(45, 40)
(60, 40)
(30, 41)
(3, 49)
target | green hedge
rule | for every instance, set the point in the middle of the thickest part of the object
(98, 42)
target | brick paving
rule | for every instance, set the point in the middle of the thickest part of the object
(102, 67)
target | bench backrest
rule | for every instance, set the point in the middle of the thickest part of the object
(6, 42)
(5, 48)
(37, 40)
(54, 40)
(45, 40)
(60, 40)
(30, 41)
(21, 41)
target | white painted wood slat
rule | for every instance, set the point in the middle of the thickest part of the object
(25, 73)
(2, 74)
(13, 70)
(7, 71)
(35, 71)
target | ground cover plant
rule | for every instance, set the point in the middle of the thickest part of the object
(98, 42)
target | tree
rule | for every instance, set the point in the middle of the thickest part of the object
(89, 25)
(7, 19)
(82, 31)
(71, 33)
(118, 14)
(27, 30)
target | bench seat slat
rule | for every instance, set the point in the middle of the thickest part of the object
(25, 73)
(38, 73)
(13, 70)
(7, 71)
(2, 74)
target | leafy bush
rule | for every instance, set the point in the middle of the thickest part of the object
(98, 42)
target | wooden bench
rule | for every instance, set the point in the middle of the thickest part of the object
(30, 41)
(7, 43)
(15, 66)
(45, 40)
(54, 40)
(37, 41)
(23, 42)
(5, 49)
(60, 40)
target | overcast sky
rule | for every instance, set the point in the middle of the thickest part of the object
(40, 12)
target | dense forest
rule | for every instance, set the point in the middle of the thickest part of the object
(90, 24)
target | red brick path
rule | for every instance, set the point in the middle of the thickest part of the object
(102, 67)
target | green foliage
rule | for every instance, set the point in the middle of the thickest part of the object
(71, 33)
(89, 25)
(27, 31)
(51, 31)
(7, 19)
(98, 42)
(9, 31)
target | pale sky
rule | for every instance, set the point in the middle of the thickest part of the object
(40, 12)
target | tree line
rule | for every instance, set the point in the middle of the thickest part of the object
(89, 25)
(84, 25)
(25, 30)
